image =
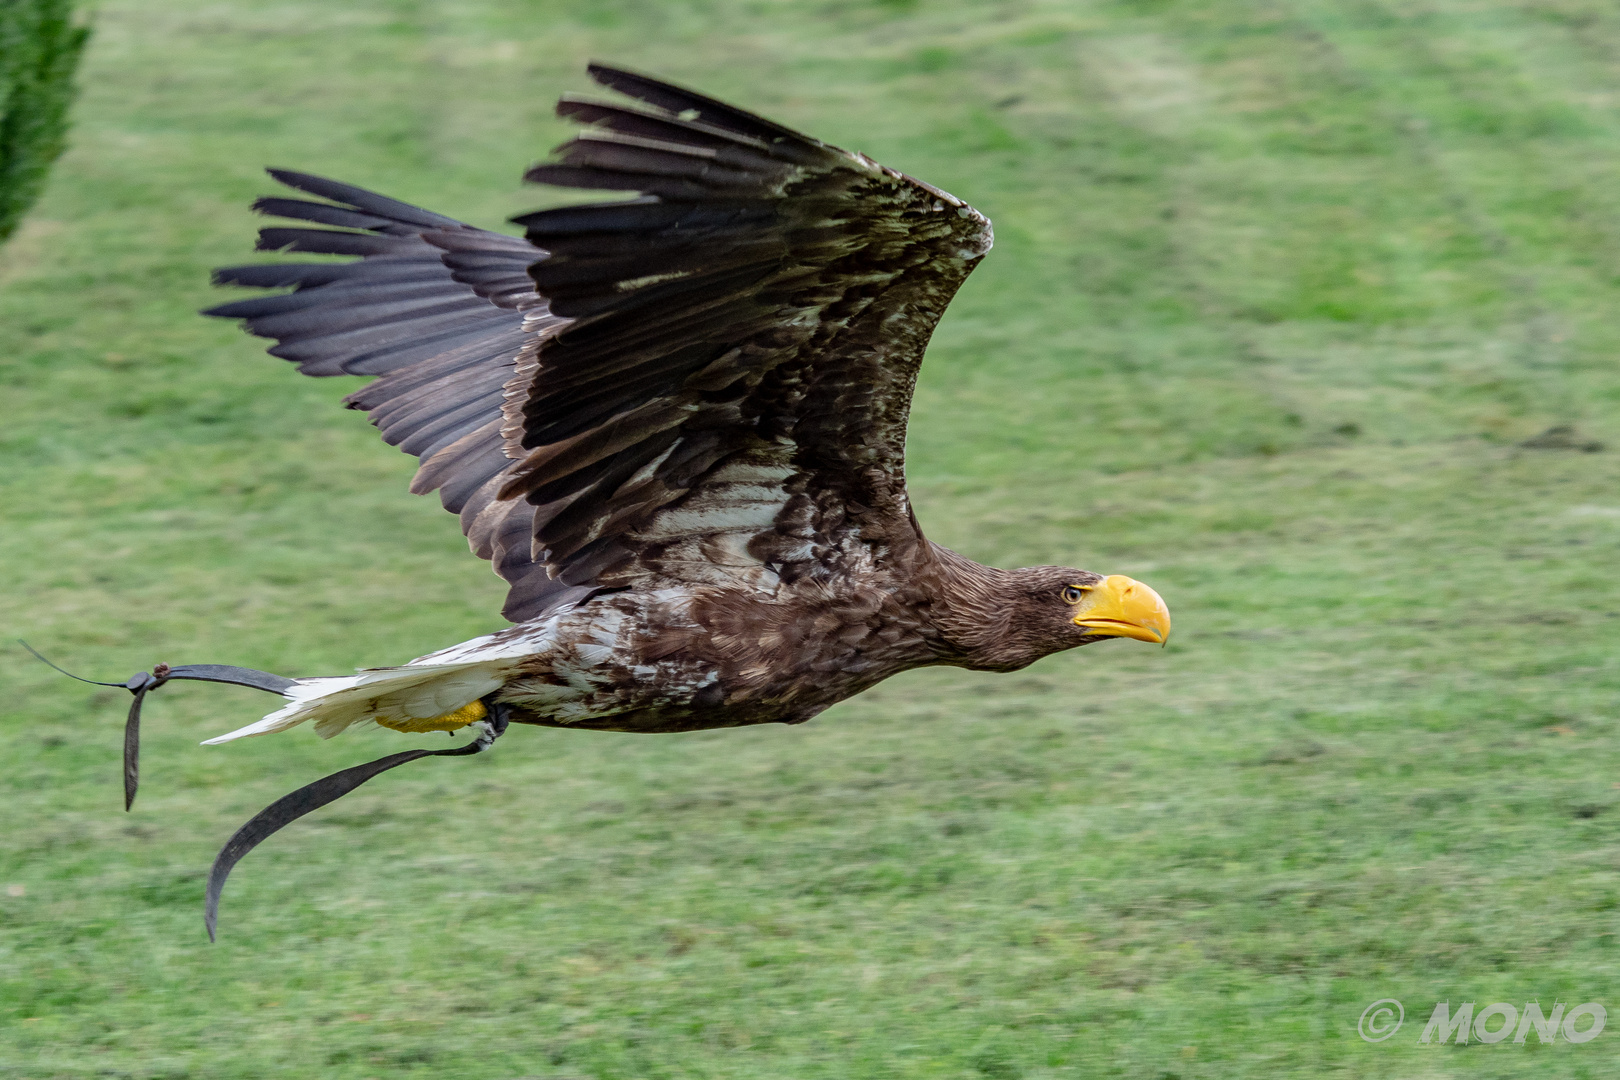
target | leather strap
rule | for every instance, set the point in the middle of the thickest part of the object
(144, 682)
(289, 808)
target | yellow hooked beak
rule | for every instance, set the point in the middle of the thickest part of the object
(1119, 606)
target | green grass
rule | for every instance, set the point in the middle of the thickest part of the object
(1280, 287)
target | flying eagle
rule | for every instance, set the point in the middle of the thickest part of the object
(674, 423)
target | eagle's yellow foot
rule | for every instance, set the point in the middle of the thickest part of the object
(450, 721)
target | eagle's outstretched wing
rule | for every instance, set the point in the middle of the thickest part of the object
(708, 382)
(438, 309)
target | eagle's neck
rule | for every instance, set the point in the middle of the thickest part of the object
(973, 607)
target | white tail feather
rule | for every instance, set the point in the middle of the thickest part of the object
(428, 686)
(402, 693)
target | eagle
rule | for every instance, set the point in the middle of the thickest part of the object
(673, 421)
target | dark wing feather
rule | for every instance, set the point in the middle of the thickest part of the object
(439, 309)
(729, 403)
(706, 382)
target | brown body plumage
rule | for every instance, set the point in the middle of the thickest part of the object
(718, 657)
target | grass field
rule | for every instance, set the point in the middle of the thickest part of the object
(1281, 289)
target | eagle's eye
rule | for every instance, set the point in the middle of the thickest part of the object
(1072, 594)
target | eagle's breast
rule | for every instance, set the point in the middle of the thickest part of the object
(707, 657)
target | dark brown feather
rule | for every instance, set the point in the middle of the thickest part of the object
(716, 369)
(791, 316)
(441, 311)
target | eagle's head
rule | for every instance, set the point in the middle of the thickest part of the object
(1114, 606)
(1006, 619)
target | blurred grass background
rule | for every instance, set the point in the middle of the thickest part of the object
(1282, 289)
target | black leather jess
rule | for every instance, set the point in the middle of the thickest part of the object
(287, 809)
